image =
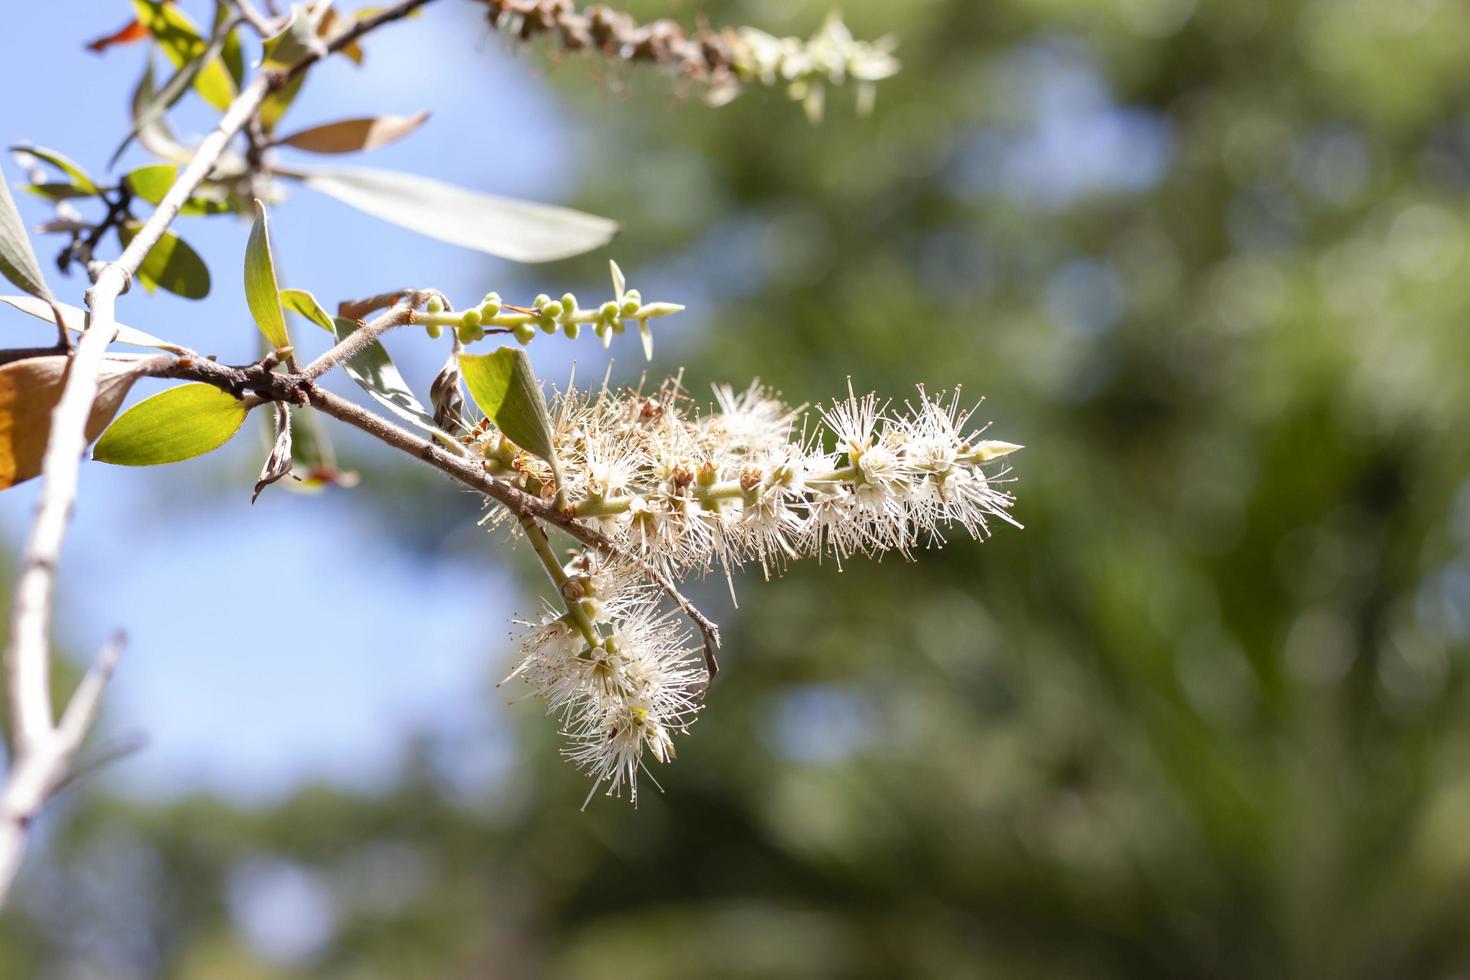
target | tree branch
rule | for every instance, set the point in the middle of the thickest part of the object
(41, 750)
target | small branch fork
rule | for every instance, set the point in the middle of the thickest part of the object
(41, 747)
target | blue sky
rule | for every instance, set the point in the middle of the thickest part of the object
(381, 642)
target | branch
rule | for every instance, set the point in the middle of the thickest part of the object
(41, 750)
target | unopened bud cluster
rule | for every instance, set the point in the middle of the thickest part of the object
(565, 315)
(831, 56)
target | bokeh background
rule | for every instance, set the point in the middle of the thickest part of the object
(1205, 716)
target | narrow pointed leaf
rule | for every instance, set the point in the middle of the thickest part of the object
(74, 318)
(352, 135)
(29, 391)
(276, 104)
(517, 230)
(296, 41)
(230, 54)
(278, 463)
(59, 191)
(182, 43)
(303, 303)
(261, 292)
(171, 264)
(17, 258)
(619, 283)
(61, 162)
(507, 391)
(375, 372)
(173, 425)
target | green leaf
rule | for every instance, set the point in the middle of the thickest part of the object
(152, 182)
(171, 264)
(517, 230)
(376, 374)
(507, 391)
(73, 318)
(261, 291)
(276, 104)
(352, 135)
(63, 163)
(148, 125)
(59, 191)
(182, 43)
(231, 54)
(29, 391)
(302, 303)
(17, 258)
(173, 425)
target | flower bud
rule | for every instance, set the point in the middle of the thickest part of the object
(433, 330)
(470, 318)
(571, 330)
(524, 332)
(468, 333)
(541, 300)
(631, 301)
(609, 311)
(435, 305)
(547, 323)
(491, 306)
(553, 310)
(604, 333)
(569, 303)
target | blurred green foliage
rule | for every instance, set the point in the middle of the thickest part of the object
(1206, 716)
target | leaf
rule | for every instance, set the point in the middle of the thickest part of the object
(377, 375)
(517, 230)
(152, 182)
(278, 463)
(148, 126)
(231, 54)
(297, 40)
(29, 391)
(276, 104)
(182, 43)
(171, 264)
(302, 303)
(61, 162)
(507, 391)
(352, 135)
(332, 25)
(180, 423)
(132, 31)
(314, 460)
(17, 258)
(73, 318)
(261, 292)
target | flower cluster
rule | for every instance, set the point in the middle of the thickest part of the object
(753, 480)
(758, 481)
(619, 670)
(830, 56)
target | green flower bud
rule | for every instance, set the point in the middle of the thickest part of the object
(524, 332)
(604, 333)
(434, 330)
(569, 303)
(608, 311)
(631, 301)
(470, 318)
(571, 330)
(553, 310)
(618, 326)
(541, 300)
(436, 305)
(469, 333)
(547, 323)
(490, 307)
